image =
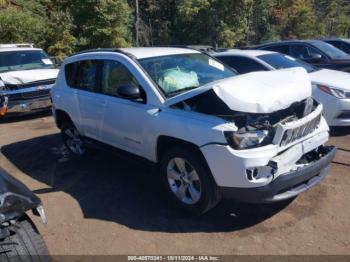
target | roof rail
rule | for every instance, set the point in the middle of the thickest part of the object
(97, 50)
(30, 45)
(203, 48)
(116, 50)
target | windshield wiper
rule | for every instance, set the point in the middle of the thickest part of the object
(172, 93)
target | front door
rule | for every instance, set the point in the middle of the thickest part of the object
(125, 122)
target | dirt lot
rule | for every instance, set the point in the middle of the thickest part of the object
(107, 204)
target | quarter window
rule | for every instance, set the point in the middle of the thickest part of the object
(115, 75)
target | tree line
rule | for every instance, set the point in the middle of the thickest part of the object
(63, 27)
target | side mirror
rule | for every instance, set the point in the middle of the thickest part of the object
(314, 58)
(129, 91)
(56, 61)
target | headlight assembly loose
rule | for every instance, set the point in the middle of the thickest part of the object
(249, 139)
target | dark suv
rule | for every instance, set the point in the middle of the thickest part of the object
(315, 52)
(340, 43)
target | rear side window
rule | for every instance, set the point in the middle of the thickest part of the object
(115, 75)
(87, 75)
(84, 75)
(242, 65)
(337, 44)
(284, 49)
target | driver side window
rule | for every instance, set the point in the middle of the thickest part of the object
(115, 75)
(304, 52)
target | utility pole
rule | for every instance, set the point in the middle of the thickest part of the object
(137, 22)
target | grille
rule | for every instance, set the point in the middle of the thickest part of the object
(32, 84)
(293, 134)
(345, 114)
(29, 95)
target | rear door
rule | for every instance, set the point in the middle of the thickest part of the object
(87, 84)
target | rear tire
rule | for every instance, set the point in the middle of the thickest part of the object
(72, 139)
(24, 243)
(188, 181)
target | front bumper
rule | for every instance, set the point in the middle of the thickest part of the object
(287, 185)
(8, 107)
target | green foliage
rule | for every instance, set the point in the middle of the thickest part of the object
(21, 26)
(63, 27)
(101, 23)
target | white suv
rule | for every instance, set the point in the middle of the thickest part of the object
(258, 137)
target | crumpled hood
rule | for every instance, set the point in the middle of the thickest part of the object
(28, 76)
(331, 78)
(258, 92)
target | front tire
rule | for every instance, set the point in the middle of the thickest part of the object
(188, 181)
(24, 243)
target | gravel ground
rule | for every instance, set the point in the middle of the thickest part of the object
(108, 204)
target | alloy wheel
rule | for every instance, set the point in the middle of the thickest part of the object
(184, 181)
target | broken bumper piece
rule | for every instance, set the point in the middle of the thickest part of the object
(3, 105)
(288, 185)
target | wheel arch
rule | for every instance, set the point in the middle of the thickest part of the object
(62, 117)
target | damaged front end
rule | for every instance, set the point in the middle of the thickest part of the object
(307, 172)
(258, 129)
(274, 146)
(16, 99)
(15, 200)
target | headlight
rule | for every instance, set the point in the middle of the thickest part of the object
(339, 93)
(246, 140)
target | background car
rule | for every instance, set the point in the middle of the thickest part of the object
(340, 43)
(315, 52)
(26, 77)
(330, 87)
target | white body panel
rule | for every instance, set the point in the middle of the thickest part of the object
(244, 93)
(28, 76)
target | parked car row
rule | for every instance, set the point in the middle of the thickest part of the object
(242, 124)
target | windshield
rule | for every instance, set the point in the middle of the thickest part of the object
(178, 73)
(279, 61)
(330, 50)
(24, 60)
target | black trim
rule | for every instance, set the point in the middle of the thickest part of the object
(92, 143)
(285, 186)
